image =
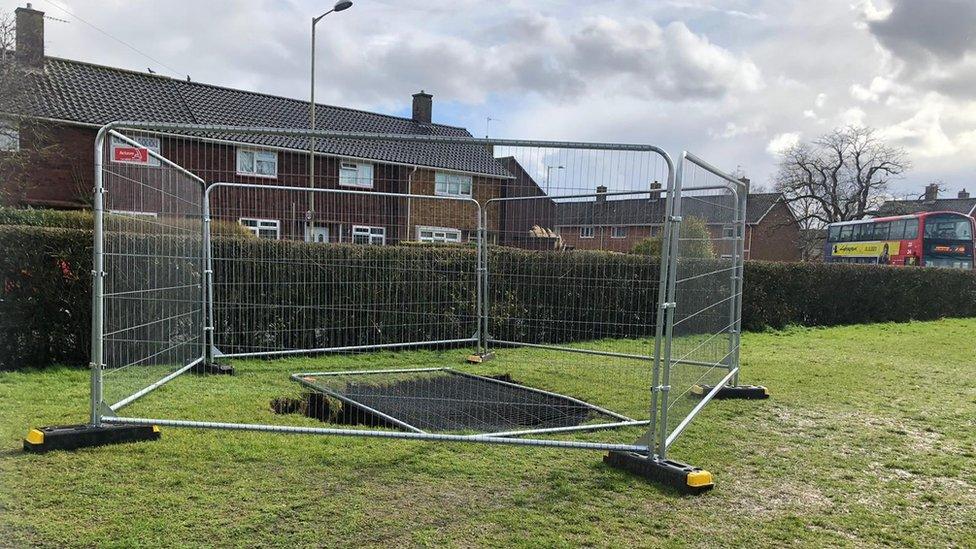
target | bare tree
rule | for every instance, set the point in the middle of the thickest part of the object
(23, 140)
(839, 176)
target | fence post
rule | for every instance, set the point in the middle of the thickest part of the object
(733, 328)
(207, 294)
(740, 278)
(482, 283)
(98, 284)
(672, 225)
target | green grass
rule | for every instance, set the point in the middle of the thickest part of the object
(869, 439)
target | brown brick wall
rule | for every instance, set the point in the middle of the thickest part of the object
(62, 176)
(603, 240)
(776, 237)
(65, 180)
(449, 213)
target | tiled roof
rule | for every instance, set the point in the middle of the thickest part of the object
(902, 207)
(93, 94)
(651, 211)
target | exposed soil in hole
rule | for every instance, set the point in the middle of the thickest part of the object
(442, 402)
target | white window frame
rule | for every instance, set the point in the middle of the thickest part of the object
(363, 174)
(254, 162)
(583, 230)
(444, 180)
(10, 136)
(448, 235)
(371, 232)
(148, 142)
(261, 224)
(728, 232)
(614, 229)
(133, 213)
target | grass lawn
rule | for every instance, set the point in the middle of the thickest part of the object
(869, 439)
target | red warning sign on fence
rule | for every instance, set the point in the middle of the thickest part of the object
(134, 155)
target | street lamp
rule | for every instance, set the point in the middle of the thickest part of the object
(548, 170)
(339, 6)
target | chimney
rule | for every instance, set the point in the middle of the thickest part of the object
(30, 37)
(422, 107)
(931, 192)
(601, 194)
(655, 190)
(963, 194)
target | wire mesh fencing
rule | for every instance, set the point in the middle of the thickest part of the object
(702, 339)
(148, 321)
(550, 266)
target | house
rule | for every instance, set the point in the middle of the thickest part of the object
(772, 231)
(929, 202)
(70, 100)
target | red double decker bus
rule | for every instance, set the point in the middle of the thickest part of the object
(929, 239)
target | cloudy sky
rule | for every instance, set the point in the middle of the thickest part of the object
(732, 80)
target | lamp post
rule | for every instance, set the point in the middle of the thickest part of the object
(339, 6)
(548, 170)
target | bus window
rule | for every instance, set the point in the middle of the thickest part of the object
(897, 230)
(911, 229)
(858, 230)
(881, 230)
(834, 234)
(955, 228)
(845, 233)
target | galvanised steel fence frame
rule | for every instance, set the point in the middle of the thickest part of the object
(654, 444)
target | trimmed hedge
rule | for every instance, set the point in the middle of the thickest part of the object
(817, 294)
(560, 296)
(84, 220)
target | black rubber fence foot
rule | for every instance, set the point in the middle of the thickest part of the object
(478, 358)
(674, 474)
(753, 392)
(72, 437)
(214, 368)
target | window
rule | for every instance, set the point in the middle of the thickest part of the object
(133, 213)
(948, 227)
(881, 230)
(119, 147)
(9, 136)
(368, 235)
(833, 234)
(728, 231)
(352, 174)
(846, 232)
(911, 229)
(257, 163)
(438, 234)
(452, 184)
(618, 232)
(262, 228)
(587, 232)
(897, 231)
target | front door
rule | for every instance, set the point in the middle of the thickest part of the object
(316, 234)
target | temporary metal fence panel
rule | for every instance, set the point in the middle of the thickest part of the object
(701, 344)
(147, 322)
(335, 269)
(560, 259)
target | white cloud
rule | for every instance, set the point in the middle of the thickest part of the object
(923, 132)
(821, 100)
(853, 116)
(782, 142)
